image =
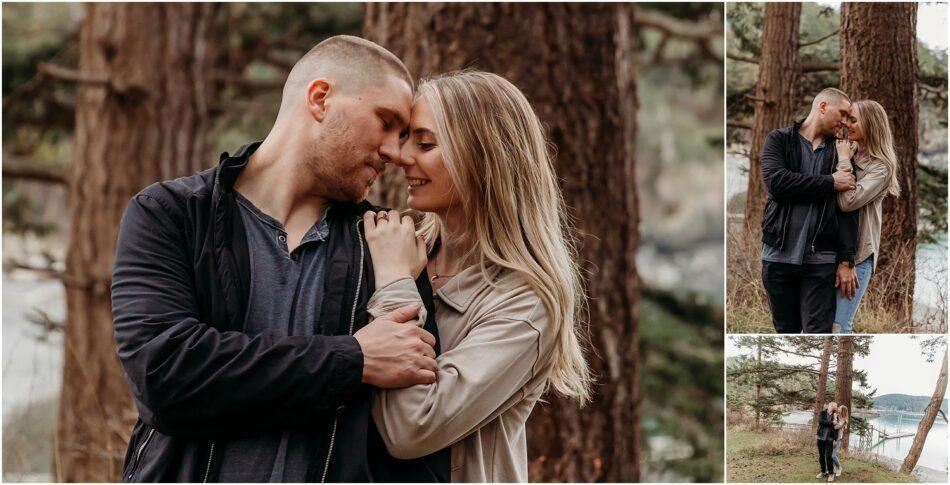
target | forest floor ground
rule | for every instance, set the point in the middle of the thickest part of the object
(768, 456)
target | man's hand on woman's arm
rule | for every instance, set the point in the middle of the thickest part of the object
(844, 179)
(397, 353)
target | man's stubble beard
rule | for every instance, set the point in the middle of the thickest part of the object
(336, 165)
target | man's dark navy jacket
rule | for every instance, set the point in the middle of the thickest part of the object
(786, 185)
(179, 293)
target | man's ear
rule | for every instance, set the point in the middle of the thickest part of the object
(821, 106)
(317, 92)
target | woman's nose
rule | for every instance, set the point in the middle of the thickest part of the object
(405, 157)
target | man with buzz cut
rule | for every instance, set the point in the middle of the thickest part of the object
(808, 244)
(240, 295)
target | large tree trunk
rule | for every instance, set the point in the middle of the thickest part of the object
(930, 415)
(776, 98)
(843, 382)
(822, 380)
(575, 64)
(758, 386)
(142, 117)
(879, 62)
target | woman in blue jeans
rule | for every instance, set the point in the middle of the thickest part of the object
(841, 424)
(869, 152)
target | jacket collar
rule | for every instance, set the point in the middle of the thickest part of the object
(231, 166)
(461, 290)
(792, 131)
(232, 260)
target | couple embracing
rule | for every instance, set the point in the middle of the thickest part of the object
(826, 178)
(276, 327)
(832, 426)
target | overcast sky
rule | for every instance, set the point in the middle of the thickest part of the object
(895, 365)
(931, 23)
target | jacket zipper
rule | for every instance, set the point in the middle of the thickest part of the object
(785, 229)
(356, 297)
(821, 218)
(818, 229)
(138, 455)
(208, 468)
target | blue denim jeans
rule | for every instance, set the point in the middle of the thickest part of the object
(834, 454)
(845, 308)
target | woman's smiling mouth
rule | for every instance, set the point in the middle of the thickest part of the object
(417, 182)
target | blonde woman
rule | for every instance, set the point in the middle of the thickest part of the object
(841, 427)
(869, 149)
(494, 239)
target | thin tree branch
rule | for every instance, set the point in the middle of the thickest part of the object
(804, 67)
(18, 170)
(931, 89)
(742, 125)
(741, 58)
(46, 271)
(677, 28)
(818, 66)
(268, 58)
(61, 73)
(818, 40)
(757, 99)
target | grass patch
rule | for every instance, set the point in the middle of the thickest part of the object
(779, 456)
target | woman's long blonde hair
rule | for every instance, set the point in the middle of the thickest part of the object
(494, 148)
(878, 140)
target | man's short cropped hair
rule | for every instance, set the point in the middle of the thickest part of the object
(352, 62)
(830, 96)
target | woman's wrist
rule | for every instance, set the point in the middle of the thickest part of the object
(384, 278)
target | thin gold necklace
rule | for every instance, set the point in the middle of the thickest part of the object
(437, 276)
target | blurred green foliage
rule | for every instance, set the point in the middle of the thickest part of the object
(785, 381)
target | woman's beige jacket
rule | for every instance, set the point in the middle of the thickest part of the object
(496, 342)
(867, 198)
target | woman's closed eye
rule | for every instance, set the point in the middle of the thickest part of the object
(425, 146)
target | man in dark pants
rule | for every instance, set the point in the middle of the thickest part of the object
(807, 242)
(826, 435)
(239, 295)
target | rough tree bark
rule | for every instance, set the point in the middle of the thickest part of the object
(930, 415)
(776, 98)
(575, 64)
(843, 382)
(879, 62)
(758, 386)
(822, 379)
(141, 116)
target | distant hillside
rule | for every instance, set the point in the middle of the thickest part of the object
(904, 402)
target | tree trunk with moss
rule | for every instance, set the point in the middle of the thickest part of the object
(844, 377)
(141, 116)
(879, 62)
(822, 379)
(575, 64)
(776, 98)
